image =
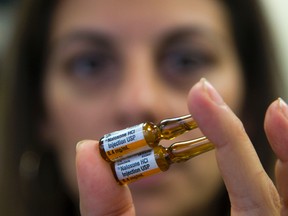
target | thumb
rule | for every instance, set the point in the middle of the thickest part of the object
(99, 192)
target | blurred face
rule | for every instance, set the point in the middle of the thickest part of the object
(114, 64)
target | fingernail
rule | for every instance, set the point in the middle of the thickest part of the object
(283, 107)
(78, 145)
(211, 91)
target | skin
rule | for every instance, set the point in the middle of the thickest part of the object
(140, 78)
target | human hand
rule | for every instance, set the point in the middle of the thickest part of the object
(251, 191)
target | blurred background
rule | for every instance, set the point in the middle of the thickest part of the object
(7, 14)
(276, 11)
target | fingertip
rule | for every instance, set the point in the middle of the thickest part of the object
(199, 105)
(193, 94)
(86, 152)
(210, 111)
(86, 155)
(277, 109)
(275, 117)
(85, 144)
(203, 94)
(199, 100)
(283, 107)
(276, 127)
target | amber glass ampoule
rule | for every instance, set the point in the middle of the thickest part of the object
(158, 159)
(119, 144)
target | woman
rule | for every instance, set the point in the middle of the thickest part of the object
(86, 68)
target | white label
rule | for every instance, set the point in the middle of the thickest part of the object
(136, 166)
(125, 142)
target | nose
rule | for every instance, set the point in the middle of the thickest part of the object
(140, 93)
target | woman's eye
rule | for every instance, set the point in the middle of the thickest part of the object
(184, 62)
(182, 67)
(87, 66)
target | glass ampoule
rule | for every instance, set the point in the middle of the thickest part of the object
(138, 138)
(158, 159)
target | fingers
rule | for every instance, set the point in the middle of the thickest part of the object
(250, 190)
(99, 192)
(276, 128)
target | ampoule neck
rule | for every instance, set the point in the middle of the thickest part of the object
(173, 127)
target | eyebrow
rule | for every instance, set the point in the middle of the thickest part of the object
(179, 34)
(91, 37)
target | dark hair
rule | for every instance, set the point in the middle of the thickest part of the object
(31, 182)
(40, 191)
(261, 71)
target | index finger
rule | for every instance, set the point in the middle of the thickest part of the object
(249, 187)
